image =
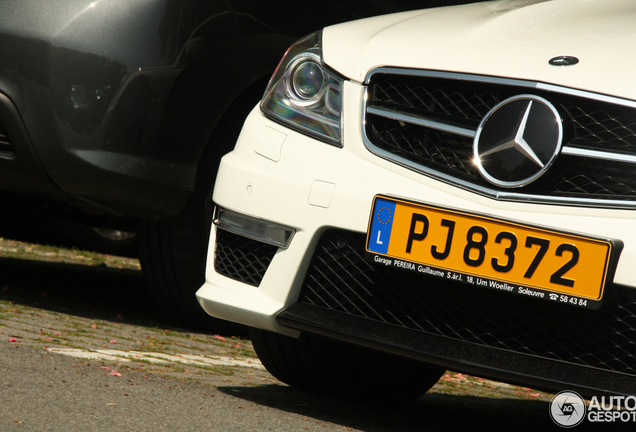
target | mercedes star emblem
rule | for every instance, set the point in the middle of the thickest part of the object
(517, 141)
(563, 61)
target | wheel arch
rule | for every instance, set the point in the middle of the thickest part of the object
(211, 94)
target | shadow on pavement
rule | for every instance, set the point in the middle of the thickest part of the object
(432, 412)
(96, 292)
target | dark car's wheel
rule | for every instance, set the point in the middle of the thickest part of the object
(321, 365)
(173, 253)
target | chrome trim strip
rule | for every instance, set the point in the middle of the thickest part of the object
(498, 80)
(484, 191)
(586, 95)
(421, 121)
(617, 157)
(253, 228)
(448, 75)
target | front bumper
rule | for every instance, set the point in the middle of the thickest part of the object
(282, 176)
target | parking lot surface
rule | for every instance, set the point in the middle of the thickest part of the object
(82, 347)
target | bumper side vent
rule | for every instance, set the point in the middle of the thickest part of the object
(241, 258)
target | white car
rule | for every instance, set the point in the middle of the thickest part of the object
(450, 188)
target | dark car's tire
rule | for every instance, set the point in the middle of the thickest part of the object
(172, 256)
(321, 365)
(173, 253)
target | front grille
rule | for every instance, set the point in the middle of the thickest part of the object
(339, 279)
(589, 124)
(241, 258)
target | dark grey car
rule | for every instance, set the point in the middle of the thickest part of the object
(115, 113)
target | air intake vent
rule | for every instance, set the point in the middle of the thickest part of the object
(241, 258)
(341, 280)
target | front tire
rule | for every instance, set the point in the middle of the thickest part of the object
(321, 365)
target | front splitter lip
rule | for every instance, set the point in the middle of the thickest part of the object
(466, 357)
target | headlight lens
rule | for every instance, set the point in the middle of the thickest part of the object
(304, 95)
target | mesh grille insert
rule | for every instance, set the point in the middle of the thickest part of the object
(241, 258)
(339, 279)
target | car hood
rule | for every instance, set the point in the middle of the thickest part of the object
(513, 39)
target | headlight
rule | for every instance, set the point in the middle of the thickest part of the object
(304, 95)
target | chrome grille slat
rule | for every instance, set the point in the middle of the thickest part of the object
(594, 154)
(421, 121)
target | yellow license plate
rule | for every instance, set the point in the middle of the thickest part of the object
(491, 253)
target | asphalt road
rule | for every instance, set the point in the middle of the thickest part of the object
(45, 306)
(48, 392)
